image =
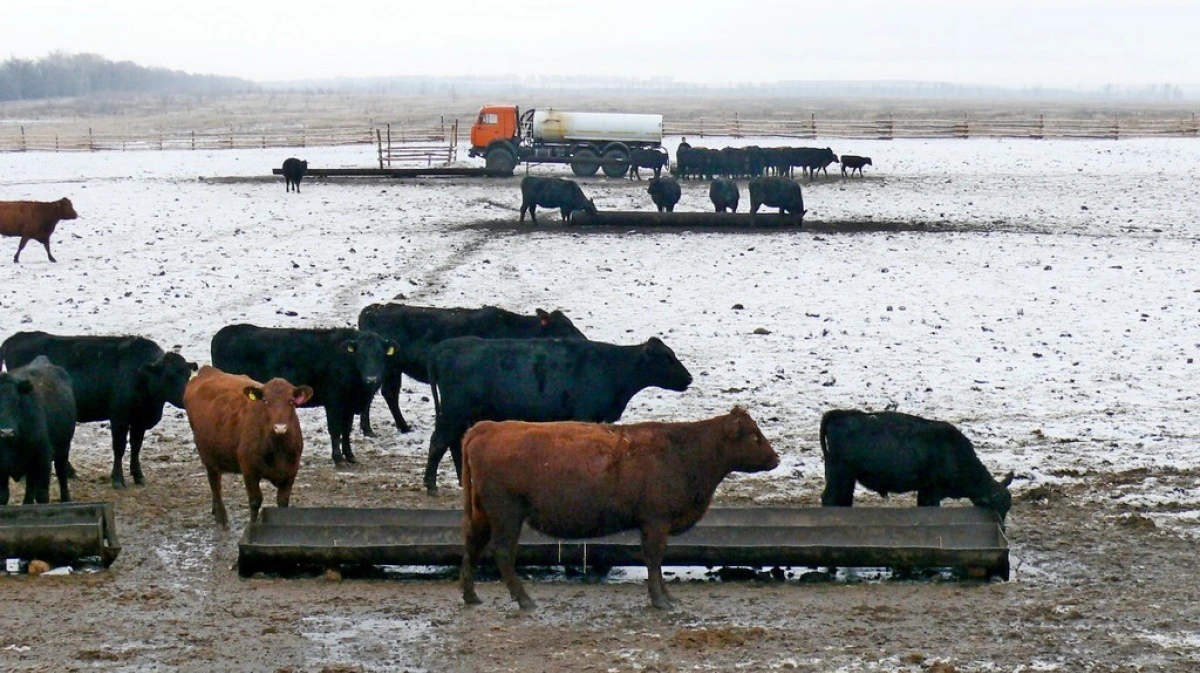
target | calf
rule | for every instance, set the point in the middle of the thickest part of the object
(553, 193)
(245, 427)
(125, 380)
(417, 329)
(537, 380)
(891, 452)
(33, 220)
(293, 172)
(343, 366)
(37, 423)
(654, 159)
(724, 195)
(583, 480)
(777, 192)
(854, 163)
(664, 192)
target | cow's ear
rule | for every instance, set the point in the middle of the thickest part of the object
(253, 393)
(301, 394)
(1008, 479)
(24, 387)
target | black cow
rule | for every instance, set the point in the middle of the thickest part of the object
(293, 172)
(37, 423)
(724, 194)
(647, 158)
(891, 452)
(417, 329)
(342, 365)
(854, 163)
(537, 380)
(121, 379)
(558, 193)
(813, 159)
(777, 192)
(664, 192)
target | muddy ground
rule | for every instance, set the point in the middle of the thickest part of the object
(1094, 588)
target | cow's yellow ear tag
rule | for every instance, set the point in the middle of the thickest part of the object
(391, 350)
(253, 396)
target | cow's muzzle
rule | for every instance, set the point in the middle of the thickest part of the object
(280, 428)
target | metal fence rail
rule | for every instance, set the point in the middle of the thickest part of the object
(399, 143)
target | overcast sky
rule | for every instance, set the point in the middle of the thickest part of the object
(1082, 43)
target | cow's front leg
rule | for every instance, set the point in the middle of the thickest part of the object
(654, 546)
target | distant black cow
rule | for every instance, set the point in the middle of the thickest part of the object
(813, 159)
(417, 329)
(776, 192)
(553, 193)
(37, 423)
(854, 163)
(121, 379)
(724, 195)
(664, 192)
(293, 172)
(653, 159)
(343, 366)
(537, 380)
(890, 452)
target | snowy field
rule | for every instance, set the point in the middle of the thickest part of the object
(1051, 312)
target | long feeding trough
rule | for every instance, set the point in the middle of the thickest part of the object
(418, 172)
(769, 218)
(59, 533)
(965, 538)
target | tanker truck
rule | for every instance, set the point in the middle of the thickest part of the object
(589, 141)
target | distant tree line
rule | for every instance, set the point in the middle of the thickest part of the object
(71, 75)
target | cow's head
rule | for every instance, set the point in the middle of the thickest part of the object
(167, 377)
(12, 390)
(556, 325)
(998, 498)
(744, 448)
(280, 399)
(66, 211)
(371, 354)
(658, 364)
(589, 207)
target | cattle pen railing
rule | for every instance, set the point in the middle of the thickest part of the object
(889, 129)
(431, 142)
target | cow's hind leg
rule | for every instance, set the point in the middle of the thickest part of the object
(506, 533)
(120, 435)
(477, 532)
(62, 470)
(218, 505)
(20, 247)
(391, 394)
(437, 450)
(839, 489)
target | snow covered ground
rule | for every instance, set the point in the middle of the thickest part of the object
(1052, 315)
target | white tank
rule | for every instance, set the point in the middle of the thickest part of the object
(558, 126)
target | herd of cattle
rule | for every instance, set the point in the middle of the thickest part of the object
(525, 404)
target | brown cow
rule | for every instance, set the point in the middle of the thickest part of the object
(33, 220)
(243, 426)
(579, 480)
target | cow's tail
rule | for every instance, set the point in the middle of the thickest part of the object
(431, 371)
(825, 420)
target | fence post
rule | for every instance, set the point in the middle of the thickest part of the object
(812, 125)
(379, 147)
(389, 144)
(24, 146)
(91, 140)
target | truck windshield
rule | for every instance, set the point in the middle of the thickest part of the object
(489, 118)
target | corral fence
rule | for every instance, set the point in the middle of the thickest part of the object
(889, 129)
(408, 144)
(438, 141)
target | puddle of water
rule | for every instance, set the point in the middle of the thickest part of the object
(390, 644)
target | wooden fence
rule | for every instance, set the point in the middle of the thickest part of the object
(439, 140)
(888, 129)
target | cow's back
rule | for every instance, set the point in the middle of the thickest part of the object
(304, 356)
(217, 411)
(103, 369)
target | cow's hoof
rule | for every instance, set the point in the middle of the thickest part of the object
(368, 432)
(351, 459)
(405, 428)
(472, 599)
(139, 480)
(118, 485)
(527, 604)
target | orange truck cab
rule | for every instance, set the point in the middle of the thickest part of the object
(495, 122)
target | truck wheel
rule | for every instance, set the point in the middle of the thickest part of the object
(616, 170)
(501, 161)
(585, 168)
